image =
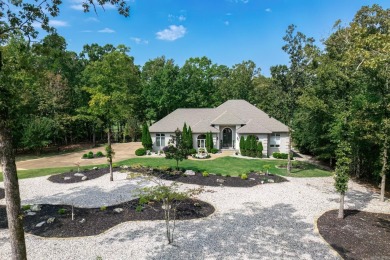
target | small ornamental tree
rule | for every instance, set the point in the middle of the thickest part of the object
(341, 177)
(178, 152)
(209, 141)
(260, 149)
(170, 197)
(146, 138)
(109, 155)
(242, 145)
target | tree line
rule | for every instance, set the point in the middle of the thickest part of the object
(326, 96)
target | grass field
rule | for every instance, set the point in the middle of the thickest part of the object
(224, 165)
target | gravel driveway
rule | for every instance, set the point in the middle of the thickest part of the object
(273, 221)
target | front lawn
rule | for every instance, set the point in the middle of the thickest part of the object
(233, 166)
(224, 165)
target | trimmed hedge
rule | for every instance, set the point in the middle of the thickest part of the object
(140, 152)
(214, 150)
(281, 156)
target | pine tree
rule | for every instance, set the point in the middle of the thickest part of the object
(143, 139)
(147, 142)
(260, 149)
(189, 138)
(242, 145)
(184, 135)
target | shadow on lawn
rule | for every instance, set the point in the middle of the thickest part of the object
(257, 233)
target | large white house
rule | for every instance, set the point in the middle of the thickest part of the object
(227, 122)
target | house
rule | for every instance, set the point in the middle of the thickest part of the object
(227, 122)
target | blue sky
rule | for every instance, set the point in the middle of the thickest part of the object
(226, 31)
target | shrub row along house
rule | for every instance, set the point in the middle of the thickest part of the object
(227, 123)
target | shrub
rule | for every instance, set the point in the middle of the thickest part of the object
(227, 175)
(280, 155)
(26, 207)
(139, 208)
(201, 150)
(140, 151)
(214, 150)
(192, 151)
(164, 168)
(103, 208)
(137, 166)
(90, 155)
(259, 149)
(61, 211)
(244, 176)
(99, 154)
(205, 174)
(218, 174)
(85, 156)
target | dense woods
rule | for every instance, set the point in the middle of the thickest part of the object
(338, 93)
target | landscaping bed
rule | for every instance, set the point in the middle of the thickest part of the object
(253, 178)
(2, 194)
(360, 235)
(93, 221)
(73, 177)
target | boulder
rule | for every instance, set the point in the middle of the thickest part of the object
(252, 179)
(35, 207)
(118, 210)
(220, 180)
(84, 178)
(79, 174)
(40, 224)
(30, 213)
(67, 178)
(82, 221)
(189, 173)
(271, 181)
(50, 220)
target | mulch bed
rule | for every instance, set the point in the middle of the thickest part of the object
(254, 178)
(97, 220)
(91, 174)
(360, 235)
(2, 194)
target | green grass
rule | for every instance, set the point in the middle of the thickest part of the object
(232, 166)
(224, 165)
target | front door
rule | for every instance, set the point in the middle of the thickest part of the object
(227, 138)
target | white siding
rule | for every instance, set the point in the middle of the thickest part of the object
(167, 138)
(283, 148)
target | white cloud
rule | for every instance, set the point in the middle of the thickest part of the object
(106, 30)
(173, 18)
(139, 40)
(268, 10)
(174, 32)
(58, 23)
(92, 19)
(226, 23)
(77, 7)
(182, 18)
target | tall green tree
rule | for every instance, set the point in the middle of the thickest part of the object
(112, 83)
(19, 17)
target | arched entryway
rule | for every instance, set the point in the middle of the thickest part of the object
(227, 138)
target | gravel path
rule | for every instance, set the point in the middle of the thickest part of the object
(273, 221)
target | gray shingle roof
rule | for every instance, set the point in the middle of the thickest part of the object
(232, 112)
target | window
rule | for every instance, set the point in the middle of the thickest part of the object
(201, 141)
(160, 139)
(274, 140)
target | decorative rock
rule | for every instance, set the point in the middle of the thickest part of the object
(262, 182)
(50, 220)
(79, 174)
(82, 221)
(35, 207)
(40, 224)
(30, 213)
(220, 180)
(118, 210)
(189, 173)
(84, 178)
(271, 181)
(67, 178)
(252, 179)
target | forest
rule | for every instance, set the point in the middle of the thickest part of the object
(331, 94)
